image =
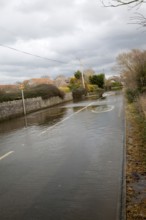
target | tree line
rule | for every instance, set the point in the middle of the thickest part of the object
(132, 67)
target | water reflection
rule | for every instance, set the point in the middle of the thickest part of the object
(72, 172)
(51, 116)
(48, 117)
(42, 118)
(102, 108)
(77, 105)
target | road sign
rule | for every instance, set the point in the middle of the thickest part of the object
(21, 87)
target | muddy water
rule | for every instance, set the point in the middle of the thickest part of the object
(66, 162)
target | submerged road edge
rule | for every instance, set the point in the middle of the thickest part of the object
(123, 179)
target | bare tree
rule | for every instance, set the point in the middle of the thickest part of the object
(117, 3)
(87, 74)
(60, 81)
(132, 66)
(138, 18)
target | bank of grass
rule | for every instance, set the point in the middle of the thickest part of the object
(136, 163)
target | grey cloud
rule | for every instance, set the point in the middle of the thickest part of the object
(43, 5)
(36, 25)
(63, 30)
(3, 3)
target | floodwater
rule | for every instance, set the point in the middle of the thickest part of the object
(63, 163)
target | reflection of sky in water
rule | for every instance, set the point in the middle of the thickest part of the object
(45, 117)
(73, 168)
(51, 116)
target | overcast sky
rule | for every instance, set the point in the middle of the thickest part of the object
(66, 31)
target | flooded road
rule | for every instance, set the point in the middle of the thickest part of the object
(63, 163)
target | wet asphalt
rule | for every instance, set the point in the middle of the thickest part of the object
(63, 163)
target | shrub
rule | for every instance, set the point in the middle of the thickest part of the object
(92, 88)
(65, 89)
(143, 89)
(5, 97)
(45, 91)
(78, 74)
(116, 84)
(131, 95)
(79, 93)
(73, 87)
(97, 80)
(115, 88)
(74, 83)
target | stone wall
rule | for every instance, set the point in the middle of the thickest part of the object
(15, 108)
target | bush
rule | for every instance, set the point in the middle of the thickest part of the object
(74, 83)
(5, 97)
(92, 88)
(116, 84)
(79, 93)
(97, 80)
(116, 88)
(45, 91)
(65, 89)
(78, 74)
(131, 95)
(143, 89)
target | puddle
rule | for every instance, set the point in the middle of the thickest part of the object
(102, 108)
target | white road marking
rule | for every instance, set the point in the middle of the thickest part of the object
(43, 132)
(6, 155)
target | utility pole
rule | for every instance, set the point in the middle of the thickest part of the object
(82, 73)
(23, 101)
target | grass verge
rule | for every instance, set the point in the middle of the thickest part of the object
(135, 164)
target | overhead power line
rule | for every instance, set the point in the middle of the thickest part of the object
(30, 54)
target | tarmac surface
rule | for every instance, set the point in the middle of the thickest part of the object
(63, 163)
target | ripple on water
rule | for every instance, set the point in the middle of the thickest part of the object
(102, 108)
